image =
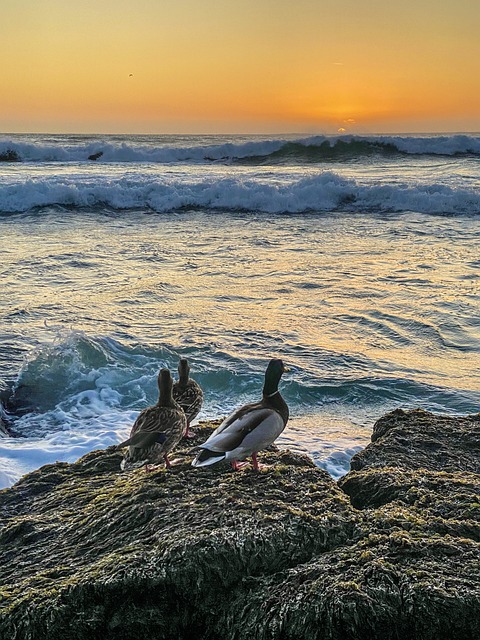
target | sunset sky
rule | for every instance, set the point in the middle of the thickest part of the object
(186, 66)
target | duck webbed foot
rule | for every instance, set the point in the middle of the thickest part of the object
(257, 466)
(170, 463)
(188, 433)
(238, 465)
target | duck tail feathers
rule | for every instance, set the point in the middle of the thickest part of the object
(206, 457)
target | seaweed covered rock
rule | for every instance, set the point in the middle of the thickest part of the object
(416, 456)
(418, 485)
(418, 439)
(94, 553)
(390, 585)
(88, 552)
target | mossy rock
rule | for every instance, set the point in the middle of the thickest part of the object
(91, 553)
(385, 586)
(418, 439)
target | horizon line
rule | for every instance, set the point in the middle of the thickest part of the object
(250, 133)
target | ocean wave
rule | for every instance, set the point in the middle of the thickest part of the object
(83, 392)
(80, 377)
(310, 149)
(324, 192)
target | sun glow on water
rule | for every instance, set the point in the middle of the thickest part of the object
(352, 258)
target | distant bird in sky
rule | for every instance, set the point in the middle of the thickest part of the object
(131, 75)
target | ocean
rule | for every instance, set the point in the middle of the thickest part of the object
(353, 258)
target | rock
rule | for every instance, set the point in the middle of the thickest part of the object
(91, 553)
(9, 155)
(387, 585)
(4, 433)
(419, 439)
(96, 156)
(418, 484)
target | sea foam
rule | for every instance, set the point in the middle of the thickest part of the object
(326, 191)
(313, 148)
(82, 393)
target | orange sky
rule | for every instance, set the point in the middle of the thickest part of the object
(246, 66)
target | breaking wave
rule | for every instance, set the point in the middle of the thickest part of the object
(324, 192)
(80, 378)
(312, 149)
(82, 393)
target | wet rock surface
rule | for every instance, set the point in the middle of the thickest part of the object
(392, 551)
(9, 155)
(421, 440)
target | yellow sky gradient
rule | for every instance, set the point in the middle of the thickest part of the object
(255, 66)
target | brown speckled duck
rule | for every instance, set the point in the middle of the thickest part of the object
(188, 394)
(157, 430)
(250, 428)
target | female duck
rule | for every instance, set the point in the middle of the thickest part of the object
(188, 394)
(157, 430)
(250, 428)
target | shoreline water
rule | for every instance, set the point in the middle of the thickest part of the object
(336, 264)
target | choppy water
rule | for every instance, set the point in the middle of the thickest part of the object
(354, 259)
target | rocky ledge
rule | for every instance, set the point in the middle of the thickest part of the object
(391, 551)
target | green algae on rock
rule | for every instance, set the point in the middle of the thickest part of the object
(93, 552)
(418, 439)
(88, 552)
(418, 482)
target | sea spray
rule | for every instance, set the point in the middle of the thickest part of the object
(325, 192)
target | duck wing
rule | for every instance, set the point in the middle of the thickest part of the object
(238, 414)
(156, 431)
(167, 420)
(237, 427)
(189, 397)
(143, 439)
(259, 438)
(147, 420)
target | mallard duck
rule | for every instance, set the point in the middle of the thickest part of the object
(250, 428)
(188, 394)
(157, 430)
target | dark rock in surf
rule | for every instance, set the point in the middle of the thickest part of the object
(3, 429)
(4, 432)
(9, 155)
(418, 484)
(90, 553)
(96, 156)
